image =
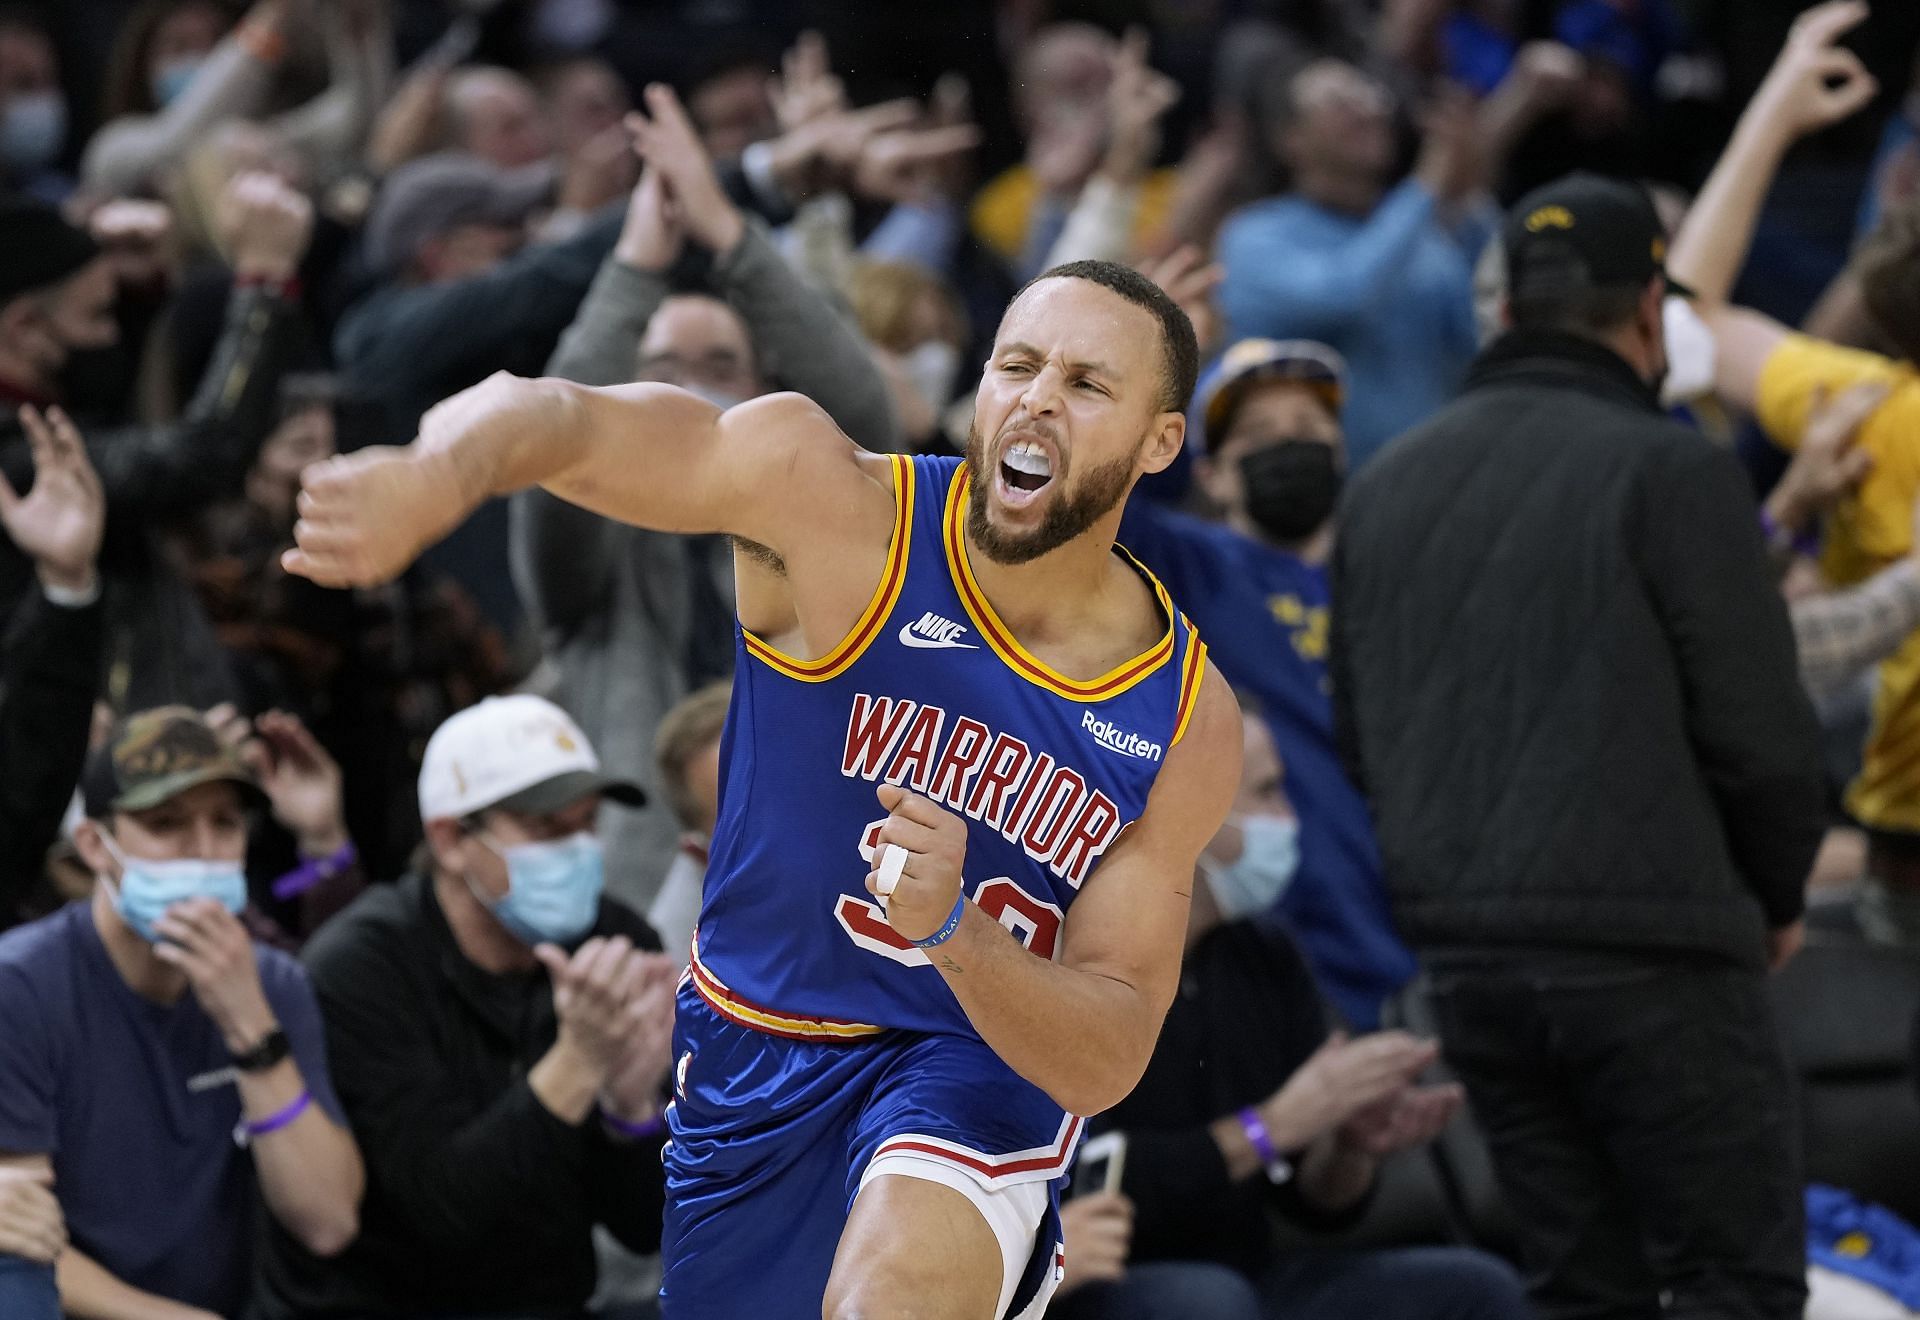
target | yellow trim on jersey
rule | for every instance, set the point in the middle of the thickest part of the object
(735, 1009)
(1194, 674)
(1008, 647)
(862, 634)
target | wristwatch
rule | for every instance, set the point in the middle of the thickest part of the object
(273, 1047)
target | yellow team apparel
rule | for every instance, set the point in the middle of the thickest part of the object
(1868, 531)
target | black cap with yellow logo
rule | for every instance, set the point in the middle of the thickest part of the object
(1606, 228)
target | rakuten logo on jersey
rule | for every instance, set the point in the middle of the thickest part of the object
(1116, 739)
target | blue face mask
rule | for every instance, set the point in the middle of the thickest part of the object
(553, 889)
(147, 888)
(32, 127)
(172, 78)
(1253, 882)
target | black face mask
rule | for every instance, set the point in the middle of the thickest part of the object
(1291, 487)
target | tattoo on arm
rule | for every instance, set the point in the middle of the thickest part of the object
(948, 964)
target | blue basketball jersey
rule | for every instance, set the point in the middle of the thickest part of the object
(931, 691)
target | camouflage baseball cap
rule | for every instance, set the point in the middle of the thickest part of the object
(154, 755)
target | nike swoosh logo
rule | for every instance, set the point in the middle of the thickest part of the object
(910, 638)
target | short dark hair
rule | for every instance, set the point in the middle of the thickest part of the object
(1889, 271)
(1179, 349)
(1558, 293)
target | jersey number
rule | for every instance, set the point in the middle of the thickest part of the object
(1034, 922)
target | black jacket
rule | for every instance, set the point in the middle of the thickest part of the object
(1247, 1016)
(49, 657)
(1564, 677)
(479, 1201)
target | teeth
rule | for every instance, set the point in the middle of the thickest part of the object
(1029, 459)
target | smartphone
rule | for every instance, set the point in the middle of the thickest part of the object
(1100, 1166)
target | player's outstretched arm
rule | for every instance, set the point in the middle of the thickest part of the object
(1081, 1028)
(650, 455)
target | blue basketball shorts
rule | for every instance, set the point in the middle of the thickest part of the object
(772, 1138)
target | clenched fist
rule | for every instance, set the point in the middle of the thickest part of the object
(921, 899)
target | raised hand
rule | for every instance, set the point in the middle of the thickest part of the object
(1828, 465)
(1814, 81)
(652, 237)
(1138, 98)
(301, 781)
(806, 89)
(57, 524)
(266, 226)
(666, 139)
(905, 165)
(1187, 277)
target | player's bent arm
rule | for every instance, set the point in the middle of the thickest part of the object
(1083, 1028)
(774, 470)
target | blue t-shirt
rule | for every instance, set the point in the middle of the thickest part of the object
(1263, 614)
(122, 1093)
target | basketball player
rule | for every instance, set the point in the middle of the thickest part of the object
(972, 756)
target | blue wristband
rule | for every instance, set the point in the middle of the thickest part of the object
(945, 933)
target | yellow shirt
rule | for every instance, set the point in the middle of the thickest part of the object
(1004, 207)
(1870, 530)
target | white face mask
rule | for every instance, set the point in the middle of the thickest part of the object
(1691, 353)
(932, 367)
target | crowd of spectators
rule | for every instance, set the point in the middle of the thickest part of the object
(328, 904)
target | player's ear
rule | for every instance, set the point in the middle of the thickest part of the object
(1163, 442)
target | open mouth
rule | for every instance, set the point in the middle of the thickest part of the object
(1025, 470)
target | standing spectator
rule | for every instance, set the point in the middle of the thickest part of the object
(636, 619)
(1783, 377)
(1249, 1104)
(50, 655)
(503, 1117)
(1565, 679)
(56, 299)
(1256, 587)
(169, 1071)
(1384, 275)
(687, 754)
(1061, 81)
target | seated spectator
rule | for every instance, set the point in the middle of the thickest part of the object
(503, 1116)
(687, 752)
(1256, 587)
(170, 1072)
(49, 653)
(635, 619)
(34, 118)
(1249, 1104)
(1383, 274)
(57, 293)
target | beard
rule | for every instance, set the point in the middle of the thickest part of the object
(1068, 515)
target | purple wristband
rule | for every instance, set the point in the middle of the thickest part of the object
(1257, 1134)
(308, 874)
(653, 1127)
(249, 1129)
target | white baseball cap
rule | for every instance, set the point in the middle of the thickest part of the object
(520, 752)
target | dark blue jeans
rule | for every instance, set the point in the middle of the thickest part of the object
(1402, 1283)
(27, 1290)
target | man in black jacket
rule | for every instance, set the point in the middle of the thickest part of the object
(1567, 684)
(499, 1034)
